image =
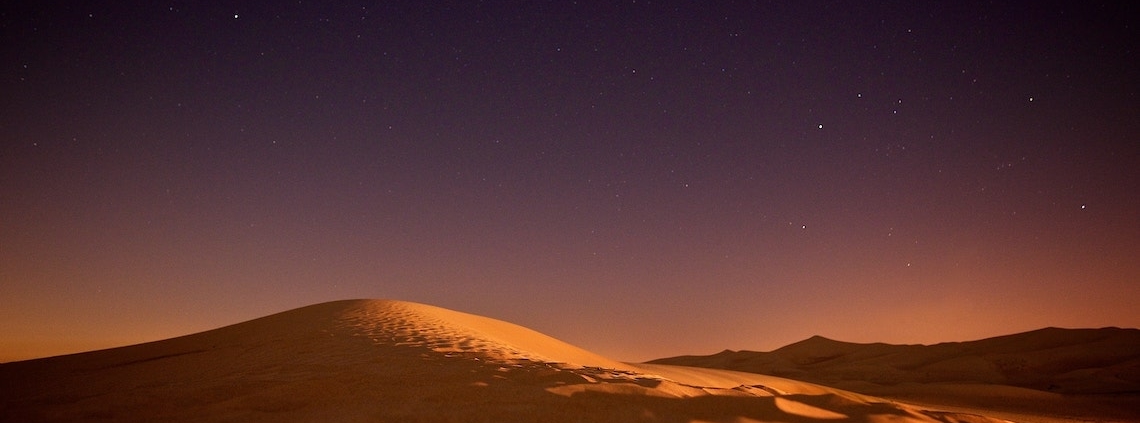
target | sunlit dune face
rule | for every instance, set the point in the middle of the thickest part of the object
(404, 361)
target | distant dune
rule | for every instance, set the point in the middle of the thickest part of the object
(1066, 374)
(390, 361)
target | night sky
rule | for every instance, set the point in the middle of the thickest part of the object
(642, 179)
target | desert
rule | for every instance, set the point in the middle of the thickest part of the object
(384, 360)
(1051, 374)
(569, 211)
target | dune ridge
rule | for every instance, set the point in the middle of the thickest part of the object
(449, 331)
(382, 360)
(1062, 374)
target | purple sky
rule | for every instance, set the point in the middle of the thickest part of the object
(642, 179)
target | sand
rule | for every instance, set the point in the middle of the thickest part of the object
(1047, 375)
(388, 361)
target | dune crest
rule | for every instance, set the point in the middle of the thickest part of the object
(381, 360)
(449, 331)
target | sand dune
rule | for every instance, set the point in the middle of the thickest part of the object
(374, 360)
(1045, 375)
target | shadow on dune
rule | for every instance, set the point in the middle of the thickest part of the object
(1064, 374)
(386, 383)
(380, 361)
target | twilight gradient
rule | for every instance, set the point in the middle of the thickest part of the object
(642, 179)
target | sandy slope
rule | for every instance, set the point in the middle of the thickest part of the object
(373, 360)
(1045, 375)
